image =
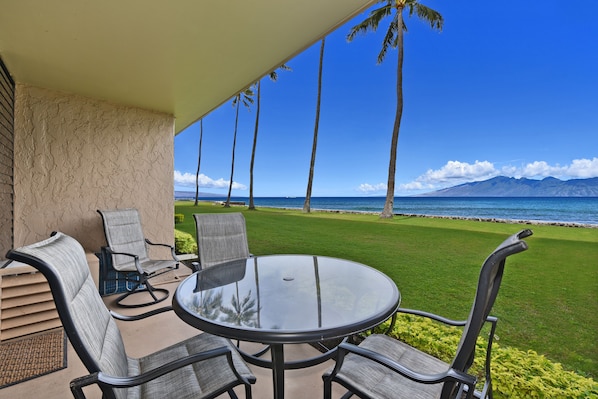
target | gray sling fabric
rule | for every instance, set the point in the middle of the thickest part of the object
(377, 381)
(221, 237)
(362, 372)
(124, 234)
(97, 340)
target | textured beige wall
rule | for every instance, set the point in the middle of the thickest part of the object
(74, 155)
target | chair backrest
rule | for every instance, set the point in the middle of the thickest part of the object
(123, 231)
(221, 237)
(488, 285)
(88, 324)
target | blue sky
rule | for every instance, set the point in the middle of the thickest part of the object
(507, 88)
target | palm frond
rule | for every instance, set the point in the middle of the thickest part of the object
(390, 39)
(274, 75)
(244, 97)
(427, 14)
(371, 23)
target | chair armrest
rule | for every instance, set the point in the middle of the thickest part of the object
(490, 319)
(172, 249)
(111, 252)
(449, 375)
(141, 316)
(100, 378)
(136, 258)
(433, 316)
(488, 383)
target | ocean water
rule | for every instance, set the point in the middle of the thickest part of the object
(578, 210)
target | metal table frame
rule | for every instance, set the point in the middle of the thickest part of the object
(276, 339)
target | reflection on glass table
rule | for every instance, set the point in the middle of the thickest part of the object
(286, 299)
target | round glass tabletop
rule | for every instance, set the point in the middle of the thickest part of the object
(286, 298)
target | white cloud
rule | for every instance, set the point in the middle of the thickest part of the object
(188, 180)
(538, 169)
(456, 172)
(583, 168)
(371, 188)
(415, 186)
(459, 171)
(578, 169)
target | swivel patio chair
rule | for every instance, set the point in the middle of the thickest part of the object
(127, 253)
(204, 366)
(221, 237)
(383, 367)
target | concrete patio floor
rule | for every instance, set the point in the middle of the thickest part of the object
(151, 334)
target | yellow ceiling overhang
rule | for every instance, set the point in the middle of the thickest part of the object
(182, 57)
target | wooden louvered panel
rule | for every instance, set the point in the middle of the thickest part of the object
(24, 289)
(34, 297)
(29, 329)
(26, 303)
(28, 319)
(24, 310)
(22, 279)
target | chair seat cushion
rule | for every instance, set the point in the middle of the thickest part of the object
(380, 382)
(196, 381)
(148, 266)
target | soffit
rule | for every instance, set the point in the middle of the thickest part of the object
(182, 57)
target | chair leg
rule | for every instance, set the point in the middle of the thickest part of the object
(148, 289)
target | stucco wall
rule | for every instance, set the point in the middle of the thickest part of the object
(74, 155)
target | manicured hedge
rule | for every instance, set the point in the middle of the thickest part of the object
(184, 243)
(515, 373)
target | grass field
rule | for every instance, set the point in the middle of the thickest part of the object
(549, 295)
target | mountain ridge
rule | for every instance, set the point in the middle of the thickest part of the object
(502, 186)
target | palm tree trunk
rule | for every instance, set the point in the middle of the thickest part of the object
(232, 167)
(306, 204)
(387, 212)
(198, 162)
(257, 120)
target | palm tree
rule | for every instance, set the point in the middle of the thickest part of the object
(274, 77)
(394, 39)
(245, 97)
(306, 203)
(198, 162)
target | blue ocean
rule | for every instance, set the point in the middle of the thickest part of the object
(575, 210)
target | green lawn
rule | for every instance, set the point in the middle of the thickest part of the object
(549, 296)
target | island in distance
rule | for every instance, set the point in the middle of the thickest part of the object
(502, 186)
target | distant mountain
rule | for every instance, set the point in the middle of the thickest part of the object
(511, 187)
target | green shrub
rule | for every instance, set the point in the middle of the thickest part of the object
(179, 218)
(184, 243)
(515, 373)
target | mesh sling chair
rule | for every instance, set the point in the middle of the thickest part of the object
(204, 366)
(383, 367)
(221, 237)
(127, 251)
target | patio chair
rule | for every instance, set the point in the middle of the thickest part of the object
(383, 367)
(204, 366)
(127, 250)
(221, 237)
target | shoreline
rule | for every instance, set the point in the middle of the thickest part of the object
(478, 219)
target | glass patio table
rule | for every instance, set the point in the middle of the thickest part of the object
(286, 299)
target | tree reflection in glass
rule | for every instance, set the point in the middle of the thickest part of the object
(241, 312)
(208, 304)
